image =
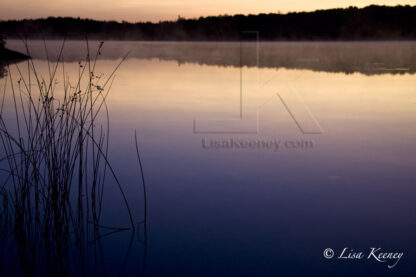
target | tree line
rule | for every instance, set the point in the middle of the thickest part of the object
(369, 23)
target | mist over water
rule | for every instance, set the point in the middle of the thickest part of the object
(369, 58)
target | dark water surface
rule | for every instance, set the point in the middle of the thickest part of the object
(258, 161)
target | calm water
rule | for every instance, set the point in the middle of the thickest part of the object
(259, 157)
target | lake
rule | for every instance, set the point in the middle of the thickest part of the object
(257, 156)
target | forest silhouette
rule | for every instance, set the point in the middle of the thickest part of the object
(369, 23)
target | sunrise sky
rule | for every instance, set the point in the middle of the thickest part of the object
(155, 10)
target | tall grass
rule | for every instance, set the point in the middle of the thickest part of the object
(54, 144)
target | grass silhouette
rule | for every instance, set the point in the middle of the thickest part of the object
(55, 166)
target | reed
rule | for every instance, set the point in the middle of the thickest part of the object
(54, 167)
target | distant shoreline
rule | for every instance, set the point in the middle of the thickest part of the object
(372, 23)
(7, 55)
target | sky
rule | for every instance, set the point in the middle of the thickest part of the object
(157, 10)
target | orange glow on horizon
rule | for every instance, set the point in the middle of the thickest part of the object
(157, 10)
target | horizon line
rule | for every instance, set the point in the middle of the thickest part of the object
(179, 17)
